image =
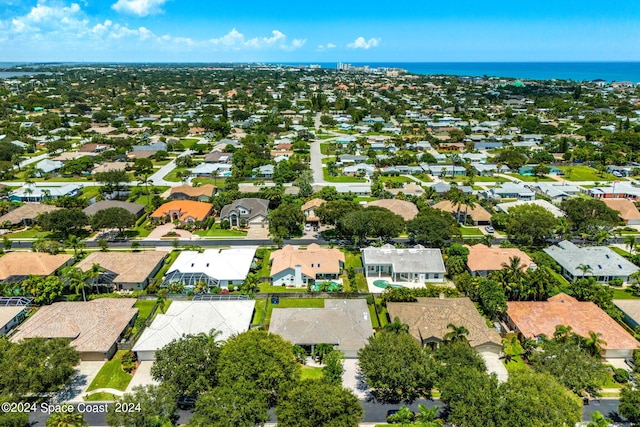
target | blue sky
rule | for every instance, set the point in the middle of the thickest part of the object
(313, 31)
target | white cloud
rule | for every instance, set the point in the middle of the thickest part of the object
(330, 46)
(139, 7)
(361, 43)
(42, 17)
(235, 40)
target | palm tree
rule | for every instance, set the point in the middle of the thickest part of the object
(92, 275)
(594, 343)
(74, 243)
(584, 269)
(630, 242)
(427, 416)
(75, 279)
(396, 326)
(456, 333)
(457, 199)
(469, 202)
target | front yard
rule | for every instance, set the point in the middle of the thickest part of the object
(340, 178)
(585, 173)
(111, 375)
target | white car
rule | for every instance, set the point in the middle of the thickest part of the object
(489, 229)
(307, 227)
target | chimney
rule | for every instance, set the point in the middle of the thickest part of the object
(297, 279)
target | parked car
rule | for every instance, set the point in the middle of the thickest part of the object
(489, 229)
(186, 402)
(307, 227)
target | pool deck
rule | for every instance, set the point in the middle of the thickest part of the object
(376, 290)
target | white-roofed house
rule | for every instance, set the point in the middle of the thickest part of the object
(211, 268)
(228, 317)
(414, 265)
(598, 262)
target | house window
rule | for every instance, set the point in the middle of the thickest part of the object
(311, 265)
(318, 265)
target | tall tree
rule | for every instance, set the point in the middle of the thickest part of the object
(396, 367)
(316, 403)
(151, 406)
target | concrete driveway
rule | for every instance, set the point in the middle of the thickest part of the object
(352, 380)
(142, 376)
(86, 371)
(163, 229)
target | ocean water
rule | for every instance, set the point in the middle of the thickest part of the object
(575, 71)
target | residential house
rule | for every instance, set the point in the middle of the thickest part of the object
(47, 166)
(416, 265)
(245, 212)
(352, 158)
(209, 170)
(303, 268)
(345, 324)
(210, 268)
(627, 210)
(489, 169)
(619, 190)
(184, 211)
(33, 193)
(227, 317)
(478, 214)
(429, 320)
(308, 209)
(218, 157)
(93, 327)
(155, 147)
(202, 193)
(408, 189)
(359, 170)
(25, 215)
(17, 266)
(110, 166)
(528, 170)
(631, 310)
(406, 210)
(125, 270)
(556, 192)
(13, 311)
(509, 190)
(443, 187)
(599, 262)
(445, 170)
(136, 209)
(534, 319)
(483, 259)
(264, 171)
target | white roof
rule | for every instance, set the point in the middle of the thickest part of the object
(221, 264)
(194, 317)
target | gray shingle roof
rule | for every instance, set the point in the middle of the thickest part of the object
(602, 260)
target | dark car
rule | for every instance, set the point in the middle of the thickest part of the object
(186, 402)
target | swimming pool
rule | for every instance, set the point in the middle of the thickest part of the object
(383, 284)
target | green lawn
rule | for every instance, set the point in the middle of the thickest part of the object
(561, 280)
(383, 314)
(340, 178)
(216, 231)
(476, 179)
(173, 175)
(352, 259)
(144, 307)
(325, 148)
(111, 375)
(189, 143)
(218, 182)
(527, 178)
(294, 303)
(32, 233)
(619, 251)
(90, 192)
(265, 288)
(258, 314)
(470, 231)
(364, 199)
(423, 177)
(585, 173)
(141, 231)
(623, 294)
(101, 397)
(395, 179)
(311, 373)
(374, 317)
